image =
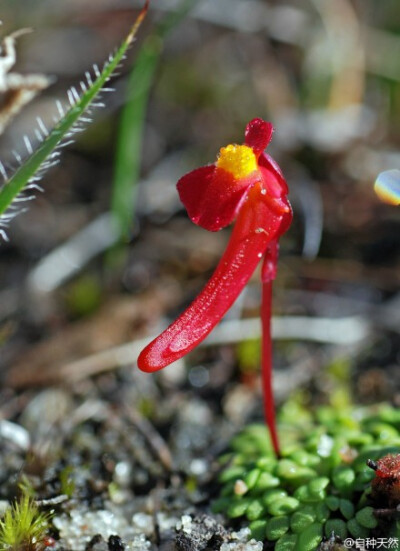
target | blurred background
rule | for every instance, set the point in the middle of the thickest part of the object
(78, 297)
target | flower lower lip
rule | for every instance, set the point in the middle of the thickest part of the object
(255, 227)
(245, 184)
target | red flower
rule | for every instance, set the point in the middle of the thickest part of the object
(246, 184)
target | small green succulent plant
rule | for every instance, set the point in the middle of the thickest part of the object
(320, 487)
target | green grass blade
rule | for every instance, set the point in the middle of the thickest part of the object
(128, 153)
(127, 165)
(22, 177)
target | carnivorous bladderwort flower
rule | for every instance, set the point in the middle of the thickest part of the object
(244, 184)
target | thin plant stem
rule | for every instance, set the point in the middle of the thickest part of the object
(268, 275)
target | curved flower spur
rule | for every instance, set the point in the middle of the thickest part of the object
(244, 183)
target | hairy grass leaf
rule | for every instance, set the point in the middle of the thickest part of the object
(41, 159)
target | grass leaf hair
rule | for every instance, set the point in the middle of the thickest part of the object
(69, 121)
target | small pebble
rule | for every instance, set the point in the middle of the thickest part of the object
(4, 505)
(122, 473)
(115, 544)
(78, 529)
(240, 488)
(198, 467)
(15, 433)
(251, 545)
(325, 445)
(47, 408)
(166, 522)
(185, 524)
(143, 523)
(97, 543)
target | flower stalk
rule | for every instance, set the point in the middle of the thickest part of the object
(268, 275)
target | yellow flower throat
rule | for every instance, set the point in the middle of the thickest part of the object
(239, 160)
